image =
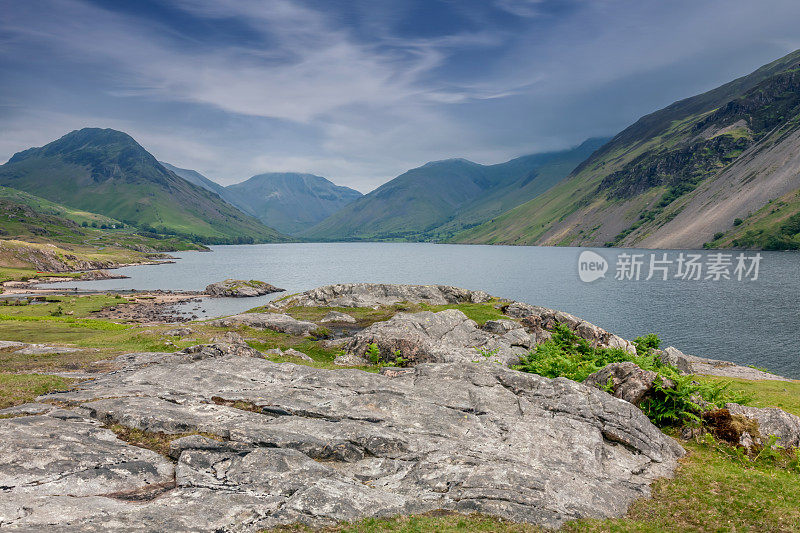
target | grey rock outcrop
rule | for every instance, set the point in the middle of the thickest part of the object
(692, 364)
(274, 321)
(672, 356)
(771, 421)
(627, 381)
(538, 320)
(23, 348)
(319, 446)
(501, 327)
(377, 294)
(238, 288)
(443, 337)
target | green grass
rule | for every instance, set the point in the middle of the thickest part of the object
(26, 274)
(366, 316)
(480, 313)
(781, 394)
(23, 388)
(439, 521)
(712, 493)
(79, 306)
(772, 227)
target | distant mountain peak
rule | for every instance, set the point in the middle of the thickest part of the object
(289, 201)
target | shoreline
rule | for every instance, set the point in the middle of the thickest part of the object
(168, 297)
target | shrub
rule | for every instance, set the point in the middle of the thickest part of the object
(737, 221)
(567, 355)
(373, 353)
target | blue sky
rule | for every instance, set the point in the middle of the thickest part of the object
(360, 91)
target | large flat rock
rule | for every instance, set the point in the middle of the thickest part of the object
(377, 294)
(297, 444)
(444, 337)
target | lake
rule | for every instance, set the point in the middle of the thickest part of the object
(749, 321)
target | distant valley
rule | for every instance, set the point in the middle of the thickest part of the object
(436, 200)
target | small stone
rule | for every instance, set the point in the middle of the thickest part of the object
(628, 381)
(291, 352)
(336, 316)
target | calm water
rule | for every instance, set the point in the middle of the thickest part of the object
(750, 322)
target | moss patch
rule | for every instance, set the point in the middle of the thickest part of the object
(155, 441)
(17, 389)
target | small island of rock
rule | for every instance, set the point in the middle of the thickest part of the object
(237, 288)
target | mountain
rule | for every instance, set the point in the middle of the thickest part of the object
(105, 171)
(289, 202)
(442, 197)
(719, 169)
(194, 177)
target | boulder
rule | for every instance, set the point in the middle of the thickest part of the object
(291, 352)
(336, 316)
(627, 381)
(237, 288)
(446, 336)
(378, 294)
(692, 364)
(274, 321)
(538, 320)
(229, 344)
(673, 356)
(771, 421)
(501, 327)
(290, 443)
(179, 332)
(349, 359)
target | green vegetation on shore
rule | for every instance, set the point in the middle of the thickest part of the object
(676, 398)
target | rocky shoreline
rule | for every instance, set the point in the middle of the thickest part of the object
(250, 443)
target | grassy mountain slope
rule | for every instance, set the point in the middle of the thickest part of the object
(289, 202)
(669, 179)
(25, 217)
(36, 234)
(435, 200)
(107, 172)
